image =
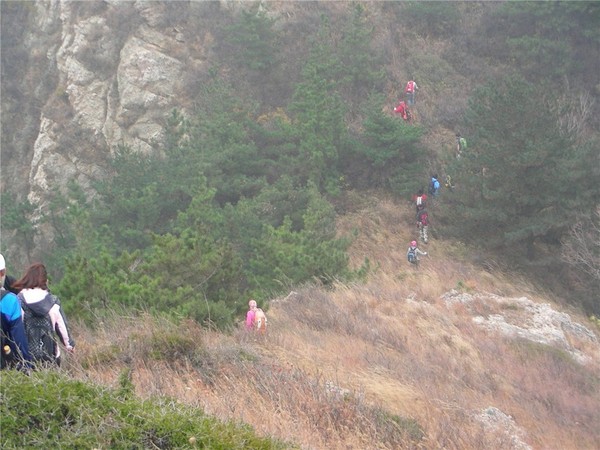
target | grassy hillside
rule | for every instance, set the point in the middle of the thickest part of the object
(459, 354)
(48, 410)
(388, 363)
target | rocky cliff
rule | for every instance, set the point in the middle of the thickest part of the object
(81, 78)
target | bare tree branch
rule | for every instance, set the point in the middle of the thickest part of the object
(582, 247)
(574, 113)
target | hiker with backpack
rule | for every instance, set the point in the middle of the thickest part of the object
(423, 224)
(434, 186)
(256, 318)
(420, 200)
(448, 183)
(412, 255)
(410, 91)
(43, 317)
(14, 351)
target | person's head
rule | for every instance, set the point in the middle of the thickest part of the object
(35, 277)
(420, 192)
(457, 135)
(435, 176)
(413, 243)
(252, 304)
(2, 270)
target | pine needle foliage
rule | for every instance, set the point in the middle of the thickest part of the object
(521, 177)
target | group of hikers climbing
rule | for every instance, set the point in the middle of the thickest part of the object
(402, 107)
(403, 110)
(33, 321)
(420, 200)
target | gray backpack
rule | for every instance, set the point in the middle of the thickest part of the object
(39, 332)
(412, 255)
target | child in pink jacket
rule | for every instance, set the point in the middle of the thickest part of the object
(255, 318)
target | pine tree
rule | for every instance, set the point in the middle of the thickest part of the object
(319, 116)
(522, 178)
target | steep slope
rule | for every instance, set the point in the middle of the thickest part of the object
(449, 356)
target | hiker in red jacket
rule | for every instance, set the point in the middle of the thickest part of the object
(402, 109)
(420, 200)
(410, 91)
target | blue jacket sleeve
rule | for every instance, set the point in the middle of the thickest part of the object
(12, 324)
(17, 333)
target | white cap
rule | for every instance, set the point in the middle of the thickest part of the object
(2, 263)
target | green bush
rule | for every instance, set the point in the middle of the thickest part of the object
(47, 410)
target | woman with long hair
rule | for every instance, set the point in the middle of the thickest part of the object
(43, 316)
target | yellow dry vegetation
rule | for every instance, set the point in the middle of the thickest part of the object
(333, 356)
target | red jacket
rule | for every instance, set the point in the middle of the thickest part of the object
(423, 199)
(401, 109)
(410, 87)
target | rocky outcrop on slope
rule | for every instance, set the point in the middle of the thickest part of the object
(526, 319)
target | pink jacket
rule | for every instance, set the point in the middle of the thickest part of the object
(250, 319)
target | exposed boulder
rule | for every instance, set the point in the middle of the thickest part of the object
(526, 319)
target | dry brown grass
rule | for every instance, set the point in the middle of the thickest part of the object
(367, 365)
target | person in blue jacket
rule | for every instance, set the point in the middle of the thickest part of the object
(14, 351)
(434, 186)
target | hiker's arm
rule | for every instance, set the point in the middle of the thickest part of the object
(59, 325)
(64, 319)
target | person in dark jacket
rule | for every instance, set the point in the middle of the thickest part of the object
(8, 283)
(420, 200)
(15, 350)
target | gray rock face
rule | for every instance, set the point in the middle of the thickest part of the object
(89, 76)
(125, 104)
(118, 71)
(526, 319)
